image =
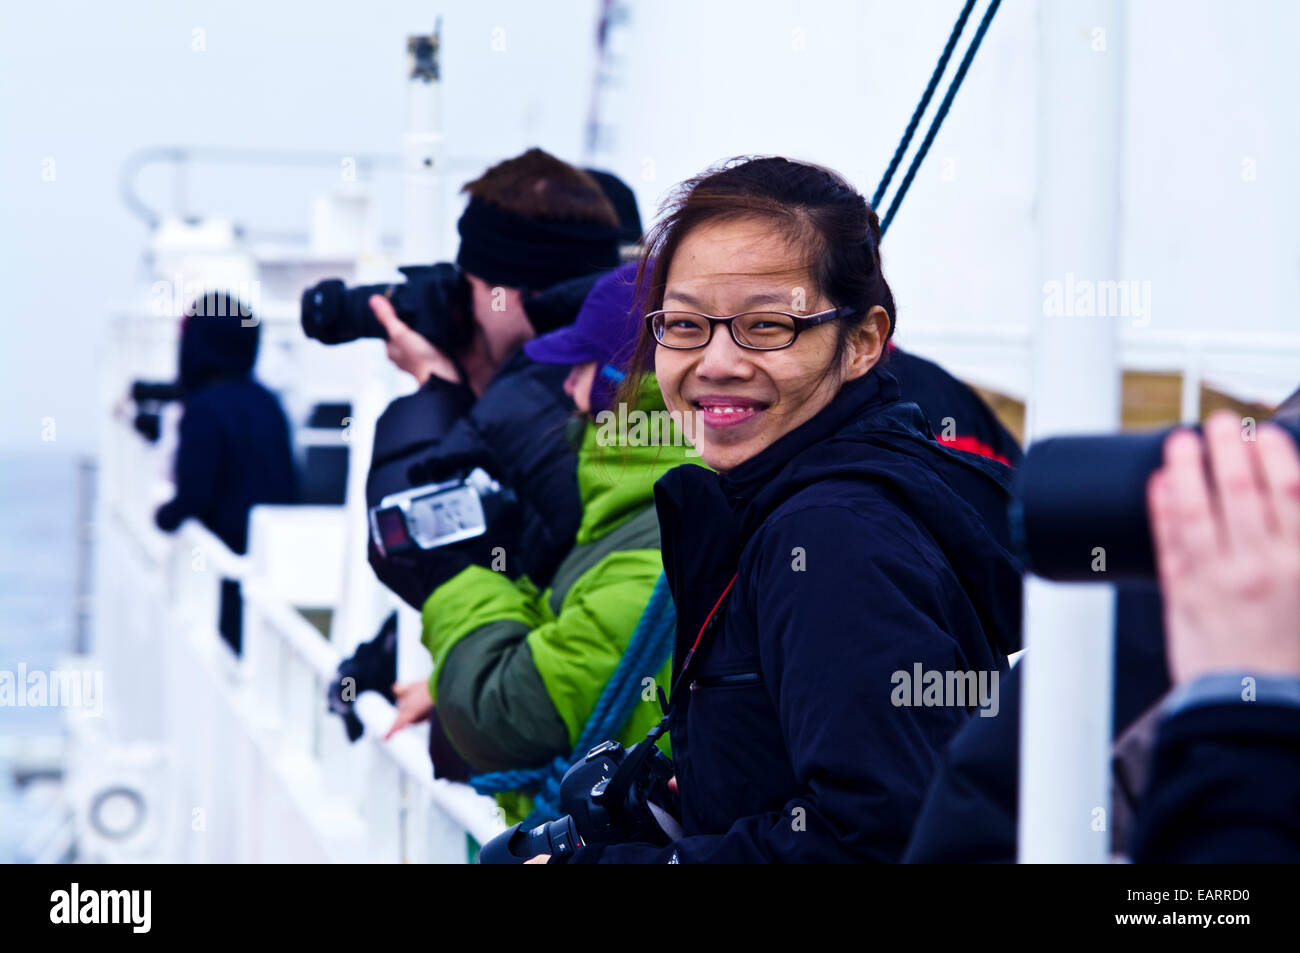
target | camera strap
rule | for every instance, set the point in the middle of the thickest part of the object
(711, 620)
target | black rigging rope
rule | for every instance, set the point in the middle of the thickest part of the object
(923, 104)
(942, 112)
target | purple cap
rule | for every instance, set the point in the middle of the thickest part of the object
(605, 331)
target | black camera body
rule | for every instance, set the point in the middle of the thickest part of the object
(149, 398)
(611, 796)
(435, 300)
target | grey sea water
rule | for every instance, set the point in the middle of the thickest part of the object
(40, 535)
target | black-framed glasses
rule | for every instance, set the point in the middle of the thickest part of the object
(752, 330)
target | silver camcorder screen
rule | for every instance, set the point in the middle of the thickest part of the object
(446, 517)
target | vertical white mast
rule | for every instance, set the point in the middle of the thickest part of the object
(422, 152)
(1074, 387)
(363, 601)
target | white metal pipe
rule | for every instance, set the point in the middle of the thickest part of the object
(1193, 372)
(1065, 725)
(422, 153)
(423, 164)
(1132, 342)
(361, 602)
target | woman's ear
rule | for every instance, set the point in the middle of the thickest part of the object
(867, 343)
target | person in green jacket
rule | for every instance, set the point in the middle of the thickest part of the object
(518, 672)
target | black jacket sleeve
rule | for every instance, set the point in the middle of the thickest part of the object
(1224, 788)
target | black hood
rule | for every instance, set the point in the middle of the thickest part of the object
(558, 305)
(217, 346)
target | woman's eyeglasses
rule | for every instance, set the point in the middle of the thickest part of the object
(753, 330)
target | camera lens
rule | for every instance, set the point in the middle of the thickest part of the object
(323, 312)
(1080, 513)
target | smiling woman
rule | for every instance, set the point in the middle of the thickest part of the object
(833, 543)
(762, 233)
(751, 386)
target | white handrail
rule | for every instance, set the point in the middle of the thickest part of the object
(372, 800)
(475, 814)
(295, 631)
(478, 815)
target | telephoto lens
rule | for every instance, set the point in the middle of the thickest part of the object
(332, 313)
(1080, 510)
(435, 301)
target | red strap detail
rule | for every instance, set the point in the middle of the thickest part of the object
(707, 619)
(972, 445)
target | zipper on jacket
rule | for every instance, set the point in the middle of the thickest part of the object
(719, 681)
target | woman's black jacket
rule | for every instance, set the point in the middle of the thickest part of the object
(867, 556)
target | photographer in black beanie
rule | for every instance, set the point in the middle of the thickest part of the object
(535, 235)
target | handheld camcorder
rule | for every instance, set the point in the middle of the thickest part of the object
(611, 796)
(1080, 510)
(435, 300)
(438, 514)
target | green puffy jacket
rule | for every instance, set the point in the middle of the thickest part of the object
(518, 672)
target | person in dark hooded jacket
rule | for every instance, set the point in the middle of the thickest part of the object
(234, 450)
(845, 595)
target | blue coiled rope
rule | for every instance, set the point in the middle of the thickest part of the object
(646, 652)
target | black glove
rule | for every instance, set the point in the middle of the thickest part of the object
(372, 668)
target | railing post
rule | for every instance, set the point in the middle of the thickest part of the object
(1193, 374)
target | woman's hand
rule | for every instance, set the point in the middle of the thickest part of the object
(410, 350)
(413, 704)
(539, 859)
(1227, 545)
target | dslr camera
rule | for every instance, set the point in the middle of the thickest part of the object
(611, 796)
(435, 300)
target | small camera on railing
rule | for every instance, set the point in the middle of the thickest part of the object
(437, 514)
(149, 398)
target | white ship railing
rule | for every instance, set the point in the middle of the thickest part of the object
(237, 759)
(257, 768)
(1252, 365)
